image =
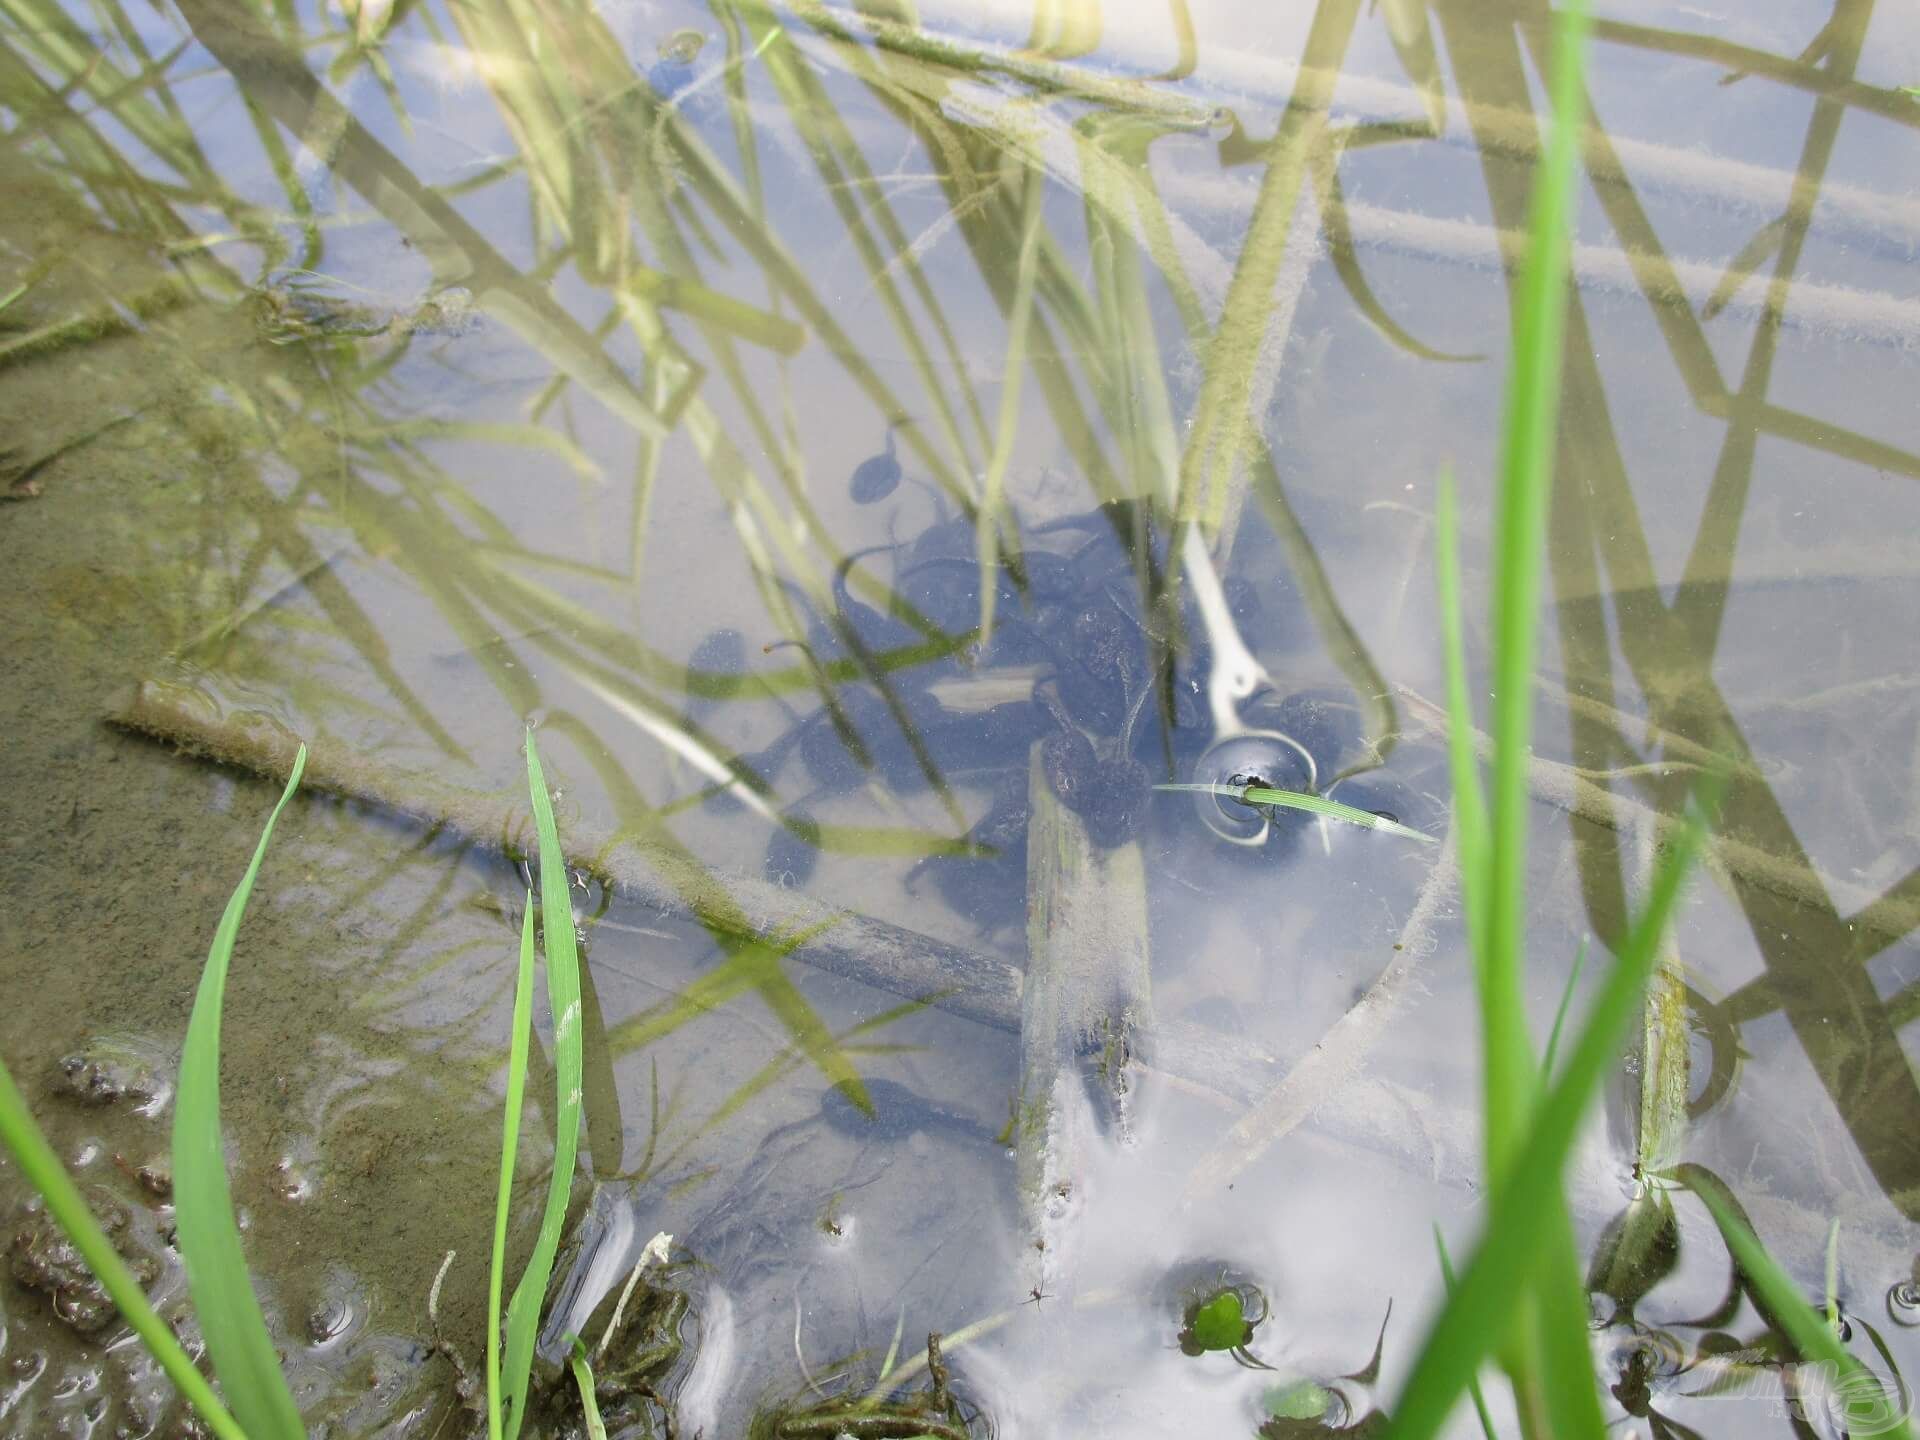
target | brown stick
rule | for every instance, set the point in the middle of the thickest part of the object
(980, 987)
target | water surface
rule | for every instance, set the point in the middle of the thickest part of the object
(658, 375)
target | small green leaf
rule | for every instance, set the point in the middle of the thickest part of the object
(1299, 1400)
(583, 1377)
(1221, 1323)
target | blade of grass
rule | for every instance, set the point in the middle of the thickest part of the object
(1521, 1220)
(563, 996)
(1560, 1015)
(1012, 377)
(1566, 1383)
(1473, 1381)
(236, 1332)
(1532, 414)
(509, 1153)
(42, 1170)
(1312, 804)
(1833, 1275)
(583, 1377)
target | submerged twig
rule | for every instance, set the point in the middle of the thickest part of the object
(979, 987)
(1086, 993)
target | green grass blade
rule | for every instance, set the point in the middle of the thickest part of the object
(583, 1377)
(1312, 804)
(1523, 1216)
(1469, 799)
(1560, 1015)
(1532, 413)
(1833, 1275)
(1857, 1397)
(563, 996)
(42, 1170)
(1013, 377)
(1566, 1375)
(1473, 1380)
(518, 1041)
(236, 1332)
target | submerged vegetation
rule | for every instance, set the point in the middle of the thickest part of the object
(949, 378)
(238, 1342)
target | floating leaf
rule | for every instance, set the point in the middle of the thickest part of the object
(1221, 1323)
(1300, 1400)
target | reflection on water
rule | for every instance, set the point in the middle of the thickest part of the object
(873, 445)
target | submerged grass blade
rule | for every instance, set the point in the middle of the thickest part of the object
(583, 1377)
(1013, 377)
(517, 1044)
(563, 996)
(1469, 799)
(236, 1332)
(1312, 804)
(42, 1170)
(1473, 1381)
(1526, 480)
(1560, 1015)
(1525, 1214)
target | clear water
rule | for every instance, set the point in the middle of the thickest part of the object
(398, 377)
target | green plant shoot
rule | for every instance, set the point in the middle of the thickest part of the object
(236, 1332)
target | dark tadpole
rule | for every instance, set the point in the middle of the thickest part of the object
(876, 477)
(1072, 768)
(722, 653)
(793, 850)
(1117, 806)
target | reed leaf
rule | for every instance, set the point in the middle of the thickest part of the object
(1532, 414)
(563, 998)
(517, 1043)
(1522, 1216)
(1012, 378)
(583, 1378)
(238, 1341)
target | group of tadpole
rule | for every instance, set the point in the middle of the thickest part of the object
(1119, 662)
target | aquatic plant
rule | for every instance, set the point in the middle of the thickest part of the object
(1520, 1297)
(238, 1342)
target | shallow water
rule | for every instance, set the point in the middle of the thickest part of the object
(399, 376)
